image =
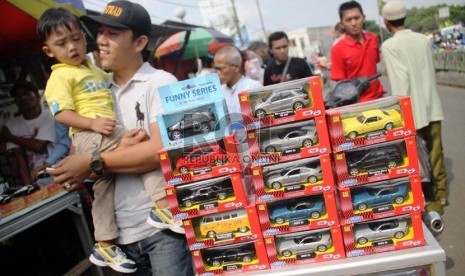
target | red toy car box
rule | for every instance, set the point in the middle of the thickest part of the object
(200, 162)
(291, 179)
(373, 163)
(231, 259)
(289, 142)
(298, 214)
(381, 199)
(205, 197)
(387, 234)
(368, 123)
(305, 247)
(282, 103)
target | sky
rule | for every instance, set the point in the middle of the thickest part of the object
(278, 15)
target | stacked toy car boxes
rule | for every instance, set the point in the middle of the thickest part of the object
(291, 172)
(377, 174)
(205, 188)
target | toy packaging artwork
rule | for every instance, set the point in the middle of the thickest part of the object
(235, 258)
(234, 226)
(381, 199)
(373, 163)
(370, 122)
(387, 234)
(282, 103)
(298, 214)
(199, 162)
(206, 197)
(291, 179)
(194, 112)
(305, 247)
(289, 142)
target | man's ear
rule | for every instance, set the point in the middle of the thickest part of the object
(141, 42)
(47, 51)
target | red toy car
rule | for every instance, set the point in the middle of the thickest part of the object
(201, 157)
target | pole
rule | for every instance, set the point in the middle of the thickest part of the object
(236, 22)
(261, 18)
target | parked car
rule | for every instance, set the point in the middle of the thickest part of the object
(371, 120)
(205, 191)
(198, 122)
(289, 139)
(307, 243)
(238, 254)
(368, 197)
(295, 175)
(380, 230)
(303, 208)
(290, 99)
(379, 157)
(200, 157)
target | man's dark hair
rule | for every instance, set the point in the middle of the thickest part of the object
(397, 23)
(54, 18)
(23, 86)
(276, 36)
(348, 6)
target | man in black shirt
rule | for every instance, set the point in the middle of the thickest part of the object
(281, 67)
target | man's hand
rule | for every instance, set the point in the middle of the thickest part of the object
(133, 137)
(103, 126)
(71, 171)
(6, 134)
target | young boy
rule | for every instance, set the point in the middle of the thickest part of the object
(78, 95)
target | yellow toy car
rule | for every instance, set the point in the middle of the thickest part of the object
(371, 120)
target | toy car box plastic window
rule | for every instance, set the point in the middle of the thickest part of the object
(282, 103)
(387, 234)
(206, 197)
(380, 199)
(236, 258)
(291, 179)
(289, 142)
(372, 122)
(373, 163)
(298, 214)
(199, 162)
(305, 247)
(193, 112)
(234, 226)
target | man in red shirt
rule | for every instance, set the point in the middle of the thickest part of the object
(357, 54)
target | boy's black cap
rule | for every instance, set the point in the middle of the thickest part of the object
(123, 15)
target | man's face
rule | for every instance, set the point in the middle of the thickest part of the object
(67, 46)
(26, 100)
(280, 50)
(116, 47)
(353, 21)
(227, 73)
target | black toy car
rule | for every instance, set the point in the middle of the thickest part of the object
(208, 190)
(238, 254)
(198, 122)
(380, 157)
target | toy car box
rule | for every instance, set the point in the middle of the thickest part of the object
(234, 226)
(305, 247)
(282, 103)
(381, 199)
(194, 112)
(289, 142)
(387, 234)
(205, 197)
(298, 214)
(12, 206)
(231, 259)
(194, 163)
(36, 196)
(378, 162)
(368, 123)
(292, 179)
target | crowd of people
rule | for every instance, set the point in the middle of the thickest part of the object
(451, 40)
(134, 228)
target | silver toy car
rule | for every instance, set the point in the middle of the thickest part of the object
(290, 99)
(296, 175)
(293, 138)
(381, 230)
(303, 244)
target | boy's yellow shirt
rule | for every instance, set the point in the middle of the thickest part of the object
(79, 88)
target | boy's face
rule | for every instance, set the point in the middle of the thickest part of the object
(67, 46)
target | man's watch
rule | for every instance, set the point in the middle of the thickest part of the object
(96, 163)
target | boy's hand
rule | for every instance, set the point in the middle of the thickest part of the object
(103, 126)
